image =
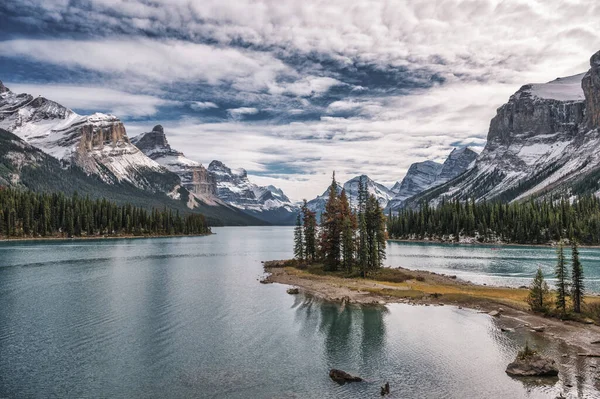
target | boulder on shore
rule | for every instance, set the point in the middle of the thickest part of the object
(341, 377)
(293, 291)
(532, 366)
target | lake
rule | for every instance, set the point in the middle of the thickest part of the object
(187, 318)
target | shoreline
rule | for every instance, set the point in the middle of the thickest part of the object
(504, 305)
(24, 239)
(497, 244)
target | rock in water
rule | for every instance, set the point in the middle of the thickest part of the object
(341, 377)
(293, 291)
(532, 366)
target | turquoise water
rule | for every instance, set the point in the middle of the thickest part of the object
(496, 265)
(187, 318)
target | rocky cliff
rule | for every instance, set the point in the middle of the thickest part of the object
(96, 143)
(543, 140)
(194, 176)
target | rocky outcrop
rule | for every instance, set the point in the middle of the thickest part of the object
(341, 377)
(591, 88)
(457, 163)
(532, 366)
(194, 176)
(3, 88)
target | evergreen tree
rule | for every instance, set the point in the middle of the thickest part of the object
(362, 227)
(330, 242)
(538, 293)
(348, 232)
(577, 287)
(310, 233)
(298, 239)
(562, 285)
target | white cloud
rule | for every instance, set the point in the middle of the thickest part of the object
(237, 113)
(94, 98)
(202, 105)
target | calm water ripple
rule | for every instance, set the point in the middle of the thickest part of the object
(187, 318)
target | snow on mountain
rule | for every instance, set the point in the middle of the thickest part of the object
(543, 140)
(422, 176)
(382, 193)
(194, 177)
(97, 143)
(266, 203)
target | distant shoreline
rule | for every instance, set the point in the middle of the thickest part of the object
(20, 239)
(492, 244)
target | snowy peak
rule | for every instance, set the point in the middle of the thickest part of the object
(154, 144)
(194, 177)
(268, 203)
(457, 162)
(97, 143)
(543, 140)
(420, 176)
(561, 89)
(382, 193)
(3, 88)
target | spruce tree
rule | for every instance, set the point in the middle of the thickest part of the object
(310, 233)
(538, 293)
(562, 284)
(362, 227)
(577, 287)
(298, 239)
(348, 232)
(330, 241)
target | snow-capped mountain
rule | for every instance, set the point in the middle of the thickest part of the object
(96, 143)
(194, 177)
(544, 140)
(266, 203)
(422, 176)
(382, 193)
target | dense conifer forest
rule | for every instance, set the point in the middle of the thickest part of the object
(528, 222)
(25, 214)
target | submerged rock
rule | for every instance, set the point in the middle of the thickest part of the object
(532, 366)
(341, 377)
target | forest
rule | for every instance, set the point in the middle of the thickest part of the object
(25, 214)
(533, 221)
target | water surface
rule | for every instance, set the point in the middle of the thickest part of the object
(187, 318)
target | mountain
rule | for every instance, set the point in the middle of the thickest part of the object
(382, 193)
(544, 140)
(194, 177)
(422, 176)
(96, 143)
(266, 203)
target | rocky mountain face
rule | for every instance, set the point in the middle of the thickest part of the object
(194, 176)
(96, 143)
(382, 193)
(422, 176)
(543, 140)
(266, 203)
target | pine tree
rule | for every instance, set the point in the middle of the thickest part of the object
(310, 233)
(362, 227)
(538, 293)
(298, 239)
(330, 242)
(577, 287)
(348, 232)
(562, 285)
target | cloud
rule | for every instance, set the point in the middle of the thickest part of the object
(202, 105)
(238, 113)
(91, 98)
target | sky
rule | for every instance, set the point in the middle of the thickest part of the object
(292, 90)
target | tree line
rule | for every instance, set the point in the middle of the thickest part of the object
(569, 289)
(26, 214)
(528, 222)
(346, 240)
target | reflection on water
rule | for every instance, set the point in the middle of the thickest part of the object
(498, 265)
(186, 317)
